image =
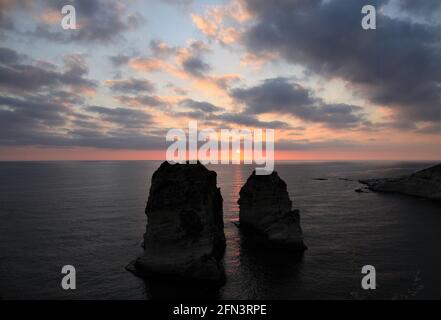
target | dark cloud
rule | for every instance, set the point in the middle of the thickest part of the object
(250, 121)
(177, 90)
(42, 103)
(397, 65)
(6, 21)
(422, 9)
(120, 60)
(281, 96)
(143, 100)
(195, 66)
(98, 20)
(75, 65)
(203, 110)
(44, 122)
(200, 105)
(276, 94)
(131, 85)
(39, 111)
(26, 120)
(21, 77)
(305, 144)
(191, 58)
(8, 56)
(132, 118)
(161, 49)
(115, 140)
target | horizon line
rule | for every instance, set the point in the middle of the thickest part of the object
(164, 160)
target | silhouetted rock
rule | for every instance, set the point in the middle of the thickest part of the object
(266, 211)
(425, 183)
(184, 235)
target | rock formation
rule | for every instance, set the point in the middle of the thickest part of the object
(266, 211)
(425, 183)
(184, 236)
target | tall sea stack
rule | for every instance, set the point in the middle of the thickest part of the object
(184, 236)
(266, 212)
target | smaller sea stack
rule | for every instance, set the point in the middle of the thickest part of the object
(266, 212)
(184, 236)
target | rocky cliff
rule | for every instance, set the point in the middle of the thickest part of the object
(266, 211)
(184, 235)
(425, 183)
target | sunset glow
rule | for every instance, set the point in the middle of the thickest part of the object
(133, 70)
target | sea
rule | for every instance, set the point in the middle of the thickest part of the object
(90, 214)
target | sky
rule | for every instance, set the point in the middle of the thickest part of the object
(132, 70)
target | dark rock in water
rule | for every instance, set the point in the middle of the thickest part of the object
(425, 183)
(361, 190)
(265, 211)
(320, 179)
(184, 236)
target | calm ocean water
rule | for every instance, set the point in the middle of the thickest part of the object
(91, 215)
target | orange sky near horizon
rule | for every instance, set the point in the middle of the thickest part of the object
(125, 80)
(92, 154)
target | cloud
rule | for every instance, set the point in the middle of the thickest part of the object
(100, 21)
(216, 84)
(211, 29)
(426, 10)
(185, 62)
(431, 129)
(142, 100)
(203, 110)
(124, 117)
(190, 59)
(250, 59)
(222, 23)
(306, 144)
(250, 121)
(208, 25)
(8, 56)
(281, 96)
(27, 120)
(161, 49)
(195, 66)
(21, 77)
(148, 64)
(114, 140)
(45, 122)
(40, 111)
(43, 104)
(214, 115)
(200, 105)
(397, 65)
(120, 59)
(180, 61)
(131, 85)
(8, 6)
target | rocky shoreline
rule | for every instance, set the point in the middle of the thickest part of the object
(424, 184)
